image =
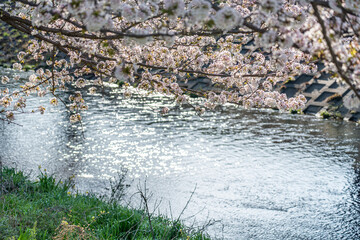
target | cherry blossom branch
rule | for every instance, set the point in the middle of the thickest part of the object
(332, 53)
(327, 5)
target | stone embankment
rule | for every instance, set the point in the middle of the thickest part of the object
(324, 96)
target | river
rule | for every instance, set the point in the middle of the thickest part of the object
(261, 173)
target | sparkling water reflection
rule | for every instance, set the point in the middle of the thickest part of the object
(265, 175)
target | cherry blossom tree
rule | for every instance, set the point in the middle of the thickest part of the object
(244, 47)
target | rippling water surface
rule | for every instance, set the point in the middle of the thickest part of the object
(265, 175)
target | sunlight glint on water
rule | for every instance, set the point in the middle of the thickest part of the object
(265, 175)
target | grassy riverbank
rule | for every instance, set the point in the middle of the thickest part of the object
(45, 209)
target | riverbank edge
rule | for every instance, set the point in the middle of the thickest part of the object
(47, 208)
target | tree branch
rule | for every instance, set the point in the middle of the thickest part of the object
(331, 50)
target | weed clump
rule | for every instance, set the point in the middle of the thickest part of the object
(50, 209)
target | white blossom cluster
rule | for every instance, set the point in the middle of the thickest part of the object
(245, 47)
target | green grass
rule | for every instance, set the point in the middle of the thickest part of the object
(46, 209)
